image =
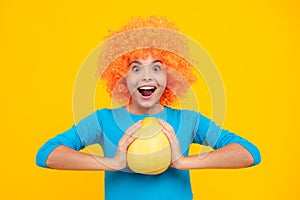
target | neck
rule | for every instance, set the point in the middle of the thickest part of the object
(144, 110)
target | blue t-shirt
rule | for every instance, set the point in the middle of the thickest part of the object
(106, 126)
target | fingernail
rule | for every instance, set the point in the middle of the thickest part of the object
(139, 123)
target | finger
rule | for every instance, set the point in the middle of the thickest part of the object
(166, 125)
(129, 132)
(162, 122)
(124, 144)
(168, 130)
(128, 136)
(131, 139)
(133, 128)
(170, 135)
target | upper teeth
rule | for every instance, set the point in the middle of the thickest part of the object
(146, 87)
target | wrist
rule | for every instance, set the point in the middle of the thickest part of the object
(116, 164)
(180, 163)
(109, 164)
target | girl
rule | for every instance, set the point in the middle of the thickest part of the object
(148, 81)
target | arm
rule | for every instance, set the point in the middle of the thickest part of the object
(230, 156)
(231, 152)
(62, 152)
(66, 158)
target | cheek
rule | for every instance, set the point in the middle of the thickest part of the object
(162, 80)
(131, 84)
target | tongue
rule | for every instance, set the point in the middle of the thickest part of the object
(146, 92)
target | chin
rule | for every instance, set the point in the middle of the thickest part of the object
(148, 105)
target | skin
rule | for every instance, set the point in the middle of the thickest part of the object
(149, 72)
(230, 156)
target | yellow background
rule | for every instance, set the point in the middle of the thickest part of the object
(255, 45)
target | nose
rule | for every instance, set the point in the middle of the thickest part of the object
(147, 75)
(147, 79)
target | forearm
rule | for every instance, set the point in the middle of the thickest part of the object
(230, 156)
(65, 158)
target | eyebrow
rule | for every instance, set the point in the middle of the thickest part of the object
(139, 63)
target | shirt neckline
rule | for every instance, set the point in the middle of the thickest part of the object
(160, 114)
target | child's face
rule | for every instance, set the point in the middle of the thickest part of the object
(146, 82)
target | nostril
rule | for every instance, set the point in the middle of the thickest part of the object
(147, 79)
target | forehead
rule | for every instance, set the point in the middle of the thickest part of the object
(145, 61)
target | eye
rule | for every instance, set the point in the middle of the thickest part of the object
(136, 68)
(156, 68)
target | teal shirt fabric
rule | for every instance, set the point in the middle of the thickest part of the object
(106, 126)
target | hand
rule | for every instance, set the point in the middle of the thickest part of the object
(120, 161)
(177, 157)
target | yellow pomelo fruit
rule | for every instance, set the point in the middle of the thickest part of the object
(150, 153)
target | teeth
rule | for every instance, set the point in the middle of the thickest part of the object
(147, 88)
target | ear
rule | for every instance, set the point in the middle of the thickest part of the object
(121, 86)
(123, 80)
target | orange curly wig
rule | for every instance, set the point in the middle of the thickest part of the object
(141, 45)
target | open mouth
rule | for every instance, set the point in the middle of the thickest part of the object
(146, 90)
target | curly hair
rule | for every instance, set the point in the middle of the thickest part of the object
(180, 74)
